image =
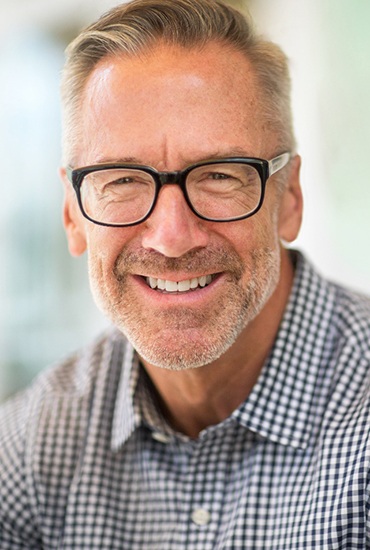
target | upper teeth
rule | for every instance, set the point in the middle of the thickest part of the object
(181, 286)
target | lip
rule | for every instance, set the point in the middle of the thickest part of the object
(190, 297)
(176, 277)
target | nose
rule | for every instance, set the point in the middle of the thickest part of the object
(173, 229)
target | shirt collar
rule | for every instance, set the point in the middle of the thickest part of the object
(285, 403)
(135, 403)
(126, 419)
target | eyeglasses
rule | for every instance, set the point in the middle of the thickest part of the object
(221, 190)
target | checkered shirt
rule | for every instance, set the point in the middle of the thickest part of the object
(87, 461)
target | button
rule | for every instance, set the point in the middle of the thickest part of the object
(162, 438)
(200, 516)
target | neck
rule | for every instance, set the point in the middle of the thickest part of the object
(194, 399)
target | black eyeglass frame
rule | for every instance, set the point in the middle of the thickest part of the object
(265, 169)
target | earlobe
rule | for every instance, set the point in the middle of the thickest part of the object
(291, 207)
(72, 219)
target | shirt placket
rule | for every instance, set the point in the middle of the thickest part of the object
(200, 497)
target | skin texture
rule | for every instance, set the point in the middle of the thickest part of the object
(169, 108)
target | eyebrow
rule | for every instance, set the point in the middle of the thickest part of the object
(234, 152)
(121, 160)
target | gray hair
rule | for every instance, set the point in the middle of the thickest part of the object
(129, 29)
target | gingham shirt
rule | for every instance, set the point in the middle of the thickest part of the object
(87, 461)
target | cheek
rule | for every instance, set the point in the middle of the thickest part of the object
(253, 234)
(108, 241)
(104, 245)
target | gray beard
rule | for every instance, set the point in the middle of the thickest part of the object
(168, 341)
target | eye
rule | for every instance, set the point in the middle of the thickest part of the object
(219, 176)
(211, 179)
(121, 181)
(126, 180)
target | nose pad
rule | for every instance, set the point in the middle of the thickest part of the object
(173, 229)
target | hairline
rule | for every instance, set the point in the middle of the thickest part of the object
(145, 52)
(115, 35)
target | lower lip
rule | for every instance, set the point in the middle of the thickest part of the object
(179, 298)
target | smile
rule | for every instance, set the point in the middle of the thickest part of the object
(180, 286)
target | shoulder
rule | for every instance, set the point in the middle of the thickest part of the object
(354, 316)
(352, 339)
(348, 387)
(70, 379)
(66, 385)
(43, 428)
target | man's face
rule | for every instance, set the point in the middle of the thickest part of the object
(169, 109)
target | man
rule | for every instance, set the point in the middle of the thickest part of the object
(229, 408)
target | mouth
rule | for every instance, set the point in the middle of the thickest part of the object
(187, 285)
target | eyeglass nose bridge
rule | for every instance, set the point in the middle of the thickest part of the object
(165, 178)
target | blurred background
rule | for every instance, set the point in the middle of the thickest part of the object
(46, 309)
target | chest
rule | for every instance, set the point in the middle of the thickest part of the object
(230, 489)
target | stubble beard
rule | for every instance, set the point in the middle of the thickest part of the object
(184, 338)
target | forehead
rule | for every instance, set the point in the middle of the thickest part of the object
(172, 99)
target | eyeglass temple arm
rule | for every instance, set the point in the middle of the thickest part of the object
(68, 170)
(278, 163)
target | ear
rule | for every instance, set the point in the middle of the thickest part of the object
(72, 218)
(291, 206)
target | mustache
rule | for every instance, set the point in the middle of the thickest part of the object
(210, 260)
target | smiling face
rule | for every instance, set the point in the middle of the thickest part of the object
(183, 290)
